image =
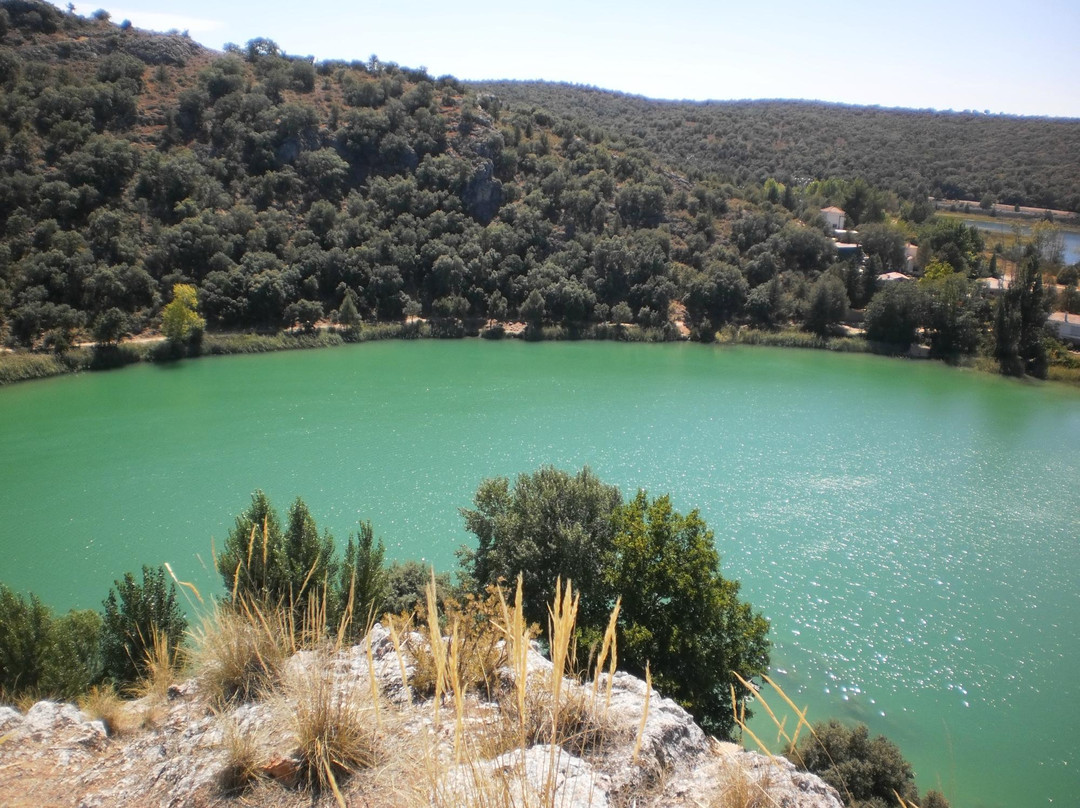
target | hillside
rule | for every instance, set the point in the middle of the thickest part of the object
(287, 193)
(962, 155)
(280, 188)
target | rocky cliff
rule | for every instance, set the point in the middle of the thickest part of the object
(182, 748)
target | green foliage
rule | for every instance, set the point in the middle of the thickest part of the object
(406, 584)
(290, 567)
(679, 614)
(548, 525)
(363, 586)
(827, 306)
(886, 242)
(1018, 321)
(180, 320)
(133, 612)
(43, 655)
(1030, 161)
(867, 772)
(24, 641)
(893, 315)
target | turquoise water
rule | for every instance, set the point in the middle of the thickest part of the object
(909, 529)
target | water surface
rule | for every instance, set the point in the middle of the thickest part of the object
(909, 529)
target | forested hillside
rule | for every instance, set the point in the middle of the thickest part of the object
(143, 177)
(964, 155)
(282, 189)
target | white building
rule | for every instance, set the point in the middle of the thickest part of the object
(834, 217)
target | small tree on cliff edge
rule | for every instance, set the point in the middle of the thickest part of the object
(679, 614)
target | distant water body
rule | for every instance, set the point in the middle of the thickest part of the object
(1070, 238)
(909, 529)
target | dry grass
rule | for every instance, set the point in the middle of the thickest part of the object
(477, 647)
(741, 789)
(160, 672)
(243, 765)
(240, 651)
(547, 712)
(102, 703)
(334, 730)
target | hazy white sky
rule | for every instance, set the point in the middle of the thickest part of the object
(1014, 57)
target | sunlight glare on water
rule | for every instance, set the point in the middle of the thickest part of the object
(909, 530)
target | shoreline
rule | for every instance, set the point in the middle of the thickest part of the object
(19, 366)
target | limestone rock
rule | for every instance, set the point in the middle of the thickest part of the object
(184, 746)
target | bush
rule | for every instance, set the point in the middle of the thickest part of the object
(46, 656)
(134, 613)
(405, 587)
(867, 772)
(678, 614)
(276, 567)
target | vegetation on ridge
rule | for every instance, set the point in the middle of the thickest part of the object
(286, 193)
(915, 153)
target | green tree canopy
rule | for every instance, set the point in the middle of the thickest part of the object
(134, 612)
(679, 614)
(549, 524)
(180, 320)
(278, 567)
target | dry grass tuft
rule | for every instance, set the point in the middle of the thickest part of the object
(240, 651)
(335, 734)
(102, 703)
(162, 664)
(243, 764)
(741, 789)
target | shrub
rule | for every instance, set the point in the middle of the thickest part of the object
(291, 567)
(134, 614)
(44, 655)
(405, 586)
(25, 625)
(867, 772)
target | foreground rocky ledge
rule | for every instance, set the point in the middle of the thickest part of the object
(54, 755)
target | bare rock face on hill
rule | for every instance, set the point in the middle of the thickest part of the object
(181, 751)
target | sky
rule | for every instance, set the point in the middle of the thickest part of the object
(1020, 58)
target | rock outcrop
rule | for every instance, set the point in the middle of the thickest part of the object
(181, 750)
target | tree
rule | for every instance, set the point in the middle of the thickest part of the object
(533, 311)
(885, 241)
(893, 315)
(828, 304)
(364, 584)
(287, 568)
(110, 326)
(1019, 319)
(548, 525)
(304, 313)
(133, 614)
(679, 615)
(180, 320)
(347, 315)
(868, 772)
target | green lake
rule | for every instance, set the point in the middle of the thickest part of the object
(910, 530)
